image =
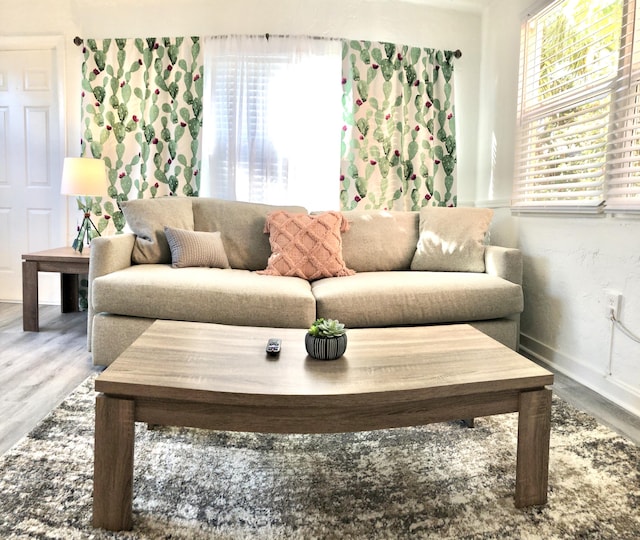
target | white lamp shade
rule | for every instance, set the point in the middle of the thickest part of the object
(83, 176)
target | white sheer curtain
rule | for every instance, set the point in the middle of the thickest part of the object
(272, 118)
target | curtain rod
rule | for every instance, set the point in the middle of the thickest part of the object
(457, 53)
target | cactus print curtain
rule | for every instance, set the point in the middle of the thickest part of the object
(141, 113)
(398, 138)
(142, 103)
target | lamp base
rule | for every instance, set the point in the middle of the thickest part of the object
(85, 231)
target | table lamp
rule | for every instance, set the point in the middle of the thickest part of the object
(84, 177)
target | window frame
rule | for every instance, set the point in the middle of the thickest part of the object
(610, 88)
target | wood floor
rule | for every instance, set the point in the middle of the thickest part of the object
(39, 369)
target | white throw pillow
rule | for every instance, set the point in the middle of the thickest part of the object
(452, 239)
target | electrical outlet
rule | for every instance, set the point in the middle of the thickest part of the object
(614, 299)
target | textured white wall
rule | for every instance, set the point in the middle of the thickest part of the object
(568, 261)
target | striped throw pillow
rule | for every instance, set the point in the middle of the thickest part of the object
(196, 248)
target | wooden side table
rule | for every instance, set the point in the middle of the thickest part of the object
(65, 260)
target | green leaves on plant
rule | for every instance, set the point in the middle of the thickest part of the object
(326, 328)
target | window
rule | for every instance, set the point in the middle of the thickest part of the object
(272, 120)
(623, 180)
(579, 109)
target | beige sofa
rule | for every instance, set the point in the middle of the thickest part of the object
(132, 281)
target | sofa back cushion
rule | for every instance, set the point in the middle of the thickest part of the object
(147, 219)
(242, 227)
(380, 240)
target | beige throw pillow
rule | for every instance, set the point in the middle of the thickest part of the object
(148, 217)
(452, 239)
(196, 248)
(309, 247)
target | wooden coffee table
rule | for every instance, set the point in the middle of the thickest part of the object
(219, 377)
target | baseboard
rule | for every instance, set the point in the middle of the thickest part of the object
(607, 386)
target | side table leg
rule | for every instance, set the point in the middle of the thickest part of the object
(69, 293)
(30, 315)
(113, 464)
(532, 468)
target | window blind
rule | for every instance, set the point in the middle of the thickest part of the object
(569, 67)
(245, 156)
(271, 115)
(623, 160)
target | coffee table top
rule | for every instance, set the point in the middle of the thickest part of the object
(214, 363)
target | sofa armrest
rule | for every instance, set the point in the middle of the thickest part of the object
(504, 262)
(108, 254)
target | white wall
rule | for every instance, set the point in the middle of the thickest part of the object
(568, 261)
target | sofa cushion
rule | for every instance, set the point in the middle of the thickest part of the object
(147, 219)
(309, 247)
(241, 225)
(196, 248)
(415, 298)
(215, 295)
(379, 240)
(452, 239)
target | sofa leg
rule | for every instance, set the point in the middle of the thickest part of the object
(469, 422)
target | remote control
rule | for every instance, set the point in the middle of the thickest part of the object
(273, 346)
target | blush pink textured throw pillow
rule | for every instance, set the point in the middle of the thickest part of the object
(306, 246)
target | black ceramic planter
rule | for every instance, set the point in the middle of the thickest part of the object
(325, 348)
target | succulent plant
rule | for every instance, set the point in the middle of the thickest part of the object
(327, 328)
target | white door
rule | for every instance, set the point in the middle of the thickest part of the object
(32, 211)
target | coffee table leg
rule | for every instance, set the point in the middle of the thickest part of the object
(532, 468)
(113, 464)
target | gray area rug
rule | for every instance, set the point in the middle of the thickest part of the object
(437, 481)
